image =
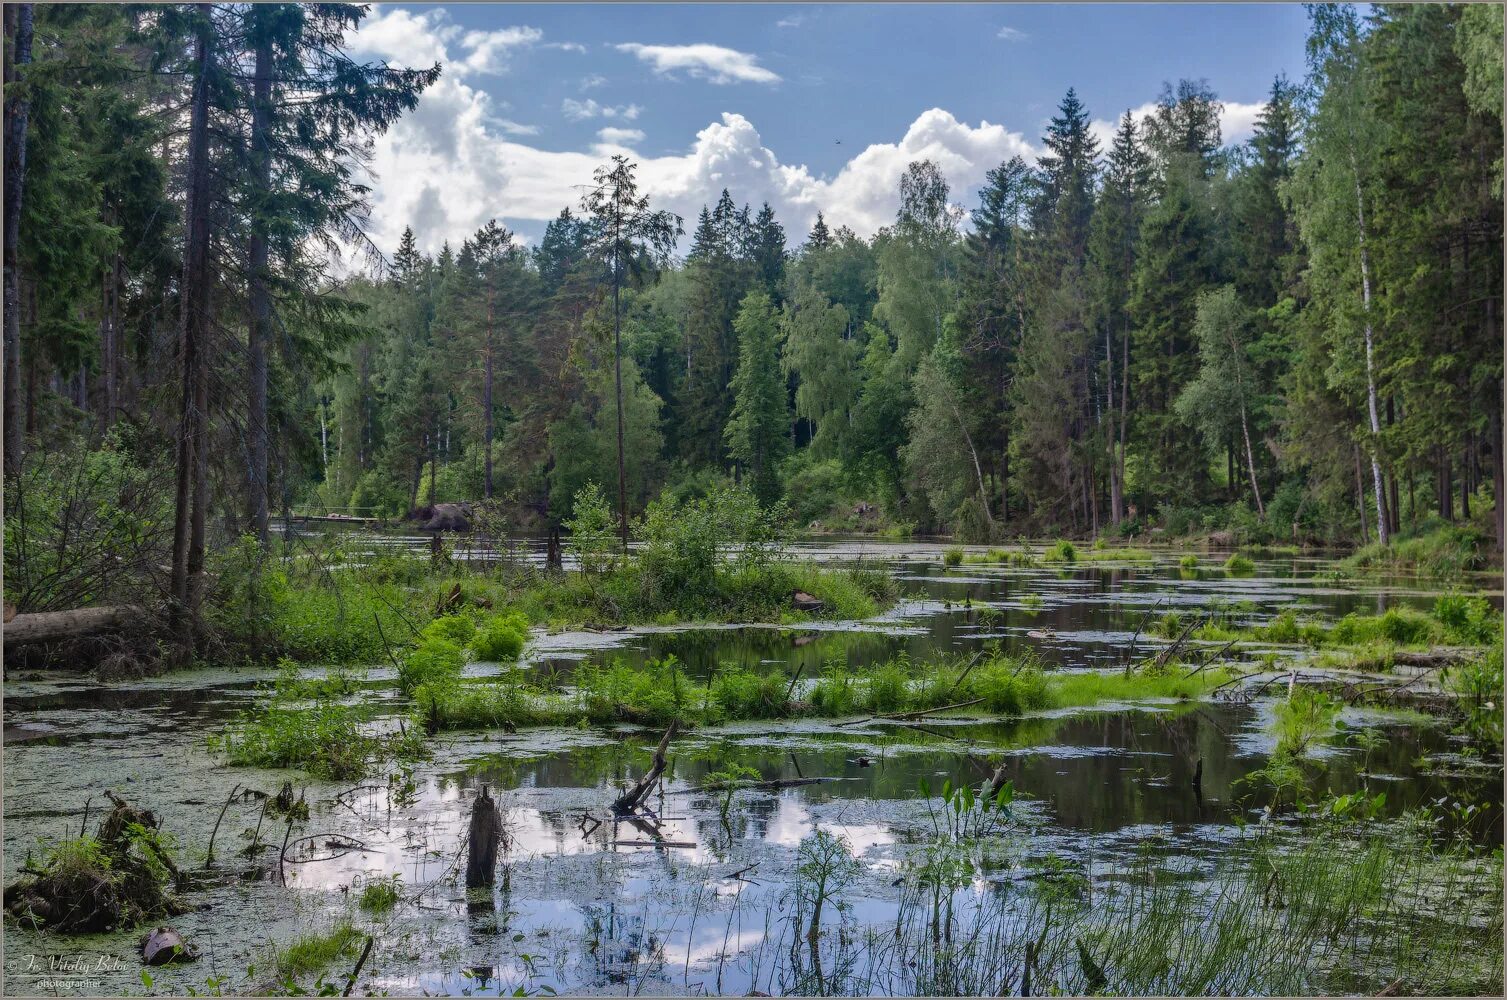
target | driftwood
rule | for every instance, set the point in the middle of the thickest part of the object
(918, 714)
(486, 836)
(634, 796)
(722, 786)
(43, 626)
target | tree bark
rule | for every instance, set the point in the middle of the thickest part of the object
(43, 626)
(1365, 281)
(634, 796)
(259, 330)
(486, 393)
(617, 360)
(193, 425)
(18, 32)
(485, 837)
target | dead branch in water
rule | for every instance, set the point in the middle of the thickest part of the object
(634, 796)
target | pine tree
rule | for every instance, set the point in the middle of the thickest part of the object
(630, 240)
(821, 237)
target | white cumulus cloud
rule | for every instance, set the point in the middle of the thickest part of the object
(578, 111)
(712, 63)
(612, 136)
(1012, 34)
(422, 39)
(1237, 122)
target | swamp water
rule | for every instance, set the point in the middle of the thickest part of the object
(704, 901)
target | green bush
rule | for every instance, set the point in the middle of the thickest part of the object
(501, 639)
(1010, 688)
(743, 694)
(1062, 550)
(1403, 626)
(1470, 620)
(1189, 561)
(433, 660)
(456, 628)
(952, 557)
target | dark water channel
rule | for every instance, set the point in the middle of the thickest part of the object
(696, 903)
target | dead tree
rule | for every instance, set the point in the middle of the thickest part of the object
(486, 836)
(634, 796)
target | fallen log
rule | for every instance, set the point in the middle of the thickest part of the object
(918, 714)
(42, 626)
(634, 796)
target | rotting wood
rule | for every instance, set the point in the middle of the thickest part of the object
(44, 626)
(918, 714)
(634, 796)
(485, 838)
(350, 982)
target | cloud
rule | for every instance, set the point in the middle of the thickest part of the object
(1012, 34)
(578, 111)
(620, 136)
(565, 46)
(593, 80)
(422, 39)
(1237, 122)
(794, 21)
(712, 63)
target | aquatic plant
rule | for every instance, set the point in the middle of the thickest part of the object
(1062, 550)
(501, 638)
(380, 895)
(433, 660)
(314, 951)
(1239, 565)
(456, 628)
(1439, 550)
(1304, 716)
(952, 556)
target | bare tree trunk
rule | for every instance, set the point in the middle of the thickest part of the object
(1360, 496)
(1250, 460)
(1114, 472)
(486, 392)
(18, 32)
(188, 525)
(617, 353)
(259, 330)
(1365, 282)
(978, 470)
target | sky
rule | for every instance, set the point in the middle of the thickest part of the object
(809, 107)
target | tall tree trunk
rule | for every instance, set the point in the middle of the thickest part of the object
(18, 32)
(1360, 496)
(1114, 471)
(486, 393)
(259, 331)
(1365, 282)
(1250, 460)
(617, 359)
(188, 524)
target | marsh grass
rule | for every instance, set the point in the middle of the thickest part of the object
(315, 951)
(1325, 907)
(662, 691)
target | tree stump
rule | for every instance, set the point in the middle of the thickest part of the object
(486, 835)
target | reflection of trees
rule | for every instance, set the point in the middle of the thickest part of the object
(623, 950)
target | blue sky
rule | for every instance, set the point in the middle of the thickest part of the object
(810, 107)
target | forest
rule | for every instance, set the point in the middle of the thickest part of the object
(1294, 339)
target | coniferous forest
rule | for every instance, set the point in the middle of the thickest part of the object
(1297, 338)
(1088, 583)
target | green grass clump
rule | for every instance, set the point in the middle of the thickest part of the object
(1086, 689)
(1239, 565)
(325, 736)
(952, 557)
(1403, 626)
(313, 952)
(1189, 561)
(1009, 688)
(744, 694)
(1303, 717)
(1441, 551)
(433, 660)
(501, 638)
(1062, 550)
(1469, 620)
(652, 696)
(1104, 553)
(381, 895)
(457, 628)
